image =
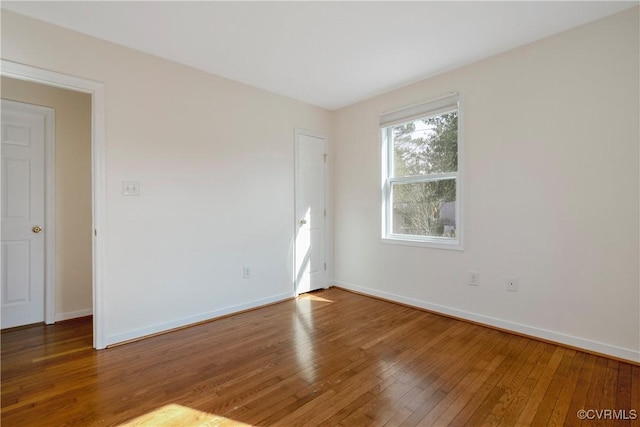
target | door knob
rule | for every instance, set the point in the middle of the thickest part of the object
(36, 229)
(303, 221)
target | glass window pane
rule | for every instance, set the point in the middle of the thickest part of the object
(424, 208)
(426, 146)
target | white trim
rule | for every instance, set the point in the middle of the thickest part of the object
(50, 218)
(73, 314)
(460, 226)
(186, 321)
(96, 89)
(532, 331)
(49, 225)
(431, 242)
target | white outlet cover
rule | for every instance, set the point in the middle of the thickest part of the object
(246, 271)
(474, 278)
(130, 188)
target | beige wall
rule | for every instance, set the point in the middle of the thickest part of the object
(73, 190)
(215, 162)
(551, 184)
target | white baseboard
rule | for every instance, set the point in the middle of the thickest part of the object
(532, 331)
(211, 315)
(72, 314)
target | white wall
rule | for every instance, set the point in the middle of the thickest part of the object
(73, 271)
(551, 153)
(215, 162)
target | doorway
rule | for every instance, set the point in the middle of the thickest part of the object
(97, 184)
(46, 215)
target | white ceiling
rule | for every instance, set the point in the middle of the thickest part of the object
(330, 54)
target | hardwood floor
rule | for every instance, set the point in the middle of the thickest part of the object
(330, 358)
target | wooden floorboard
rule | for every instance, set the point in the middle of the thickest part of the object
(330, 358)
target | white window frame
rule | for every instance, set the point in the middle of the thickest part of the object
(441, 105)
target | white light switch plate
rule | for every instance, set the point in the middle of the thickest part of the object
(130, 188)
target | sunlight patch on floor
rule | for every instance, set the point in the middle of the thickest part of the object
(173, 415)
(313, 298)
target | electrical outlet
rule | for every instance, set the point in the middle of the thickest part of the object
(246, 271)
(474, 278)
(130, 188)
(512, 284)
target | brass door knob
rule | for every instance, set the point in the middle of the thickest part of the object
(303, 221)
(36, 229)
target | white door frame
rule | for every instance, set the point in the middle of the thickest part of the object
(98, 173)
(297, 133)
(49, 200)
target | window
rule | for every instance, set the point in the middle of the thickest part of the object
(421, 188)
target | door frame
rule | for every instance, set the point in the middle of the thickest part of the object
(297, 133)
(49, 199)
(98, 172)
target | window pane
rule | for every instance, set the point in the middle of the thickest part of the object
(424, 208)
(426, 146)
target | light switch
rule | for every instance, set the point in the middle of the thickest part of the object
(130, 188)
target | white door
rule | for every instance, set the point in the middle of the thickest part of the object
(23, 214)
(310, 213)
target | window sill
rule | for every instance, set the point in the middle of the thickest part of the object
(447, 244)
